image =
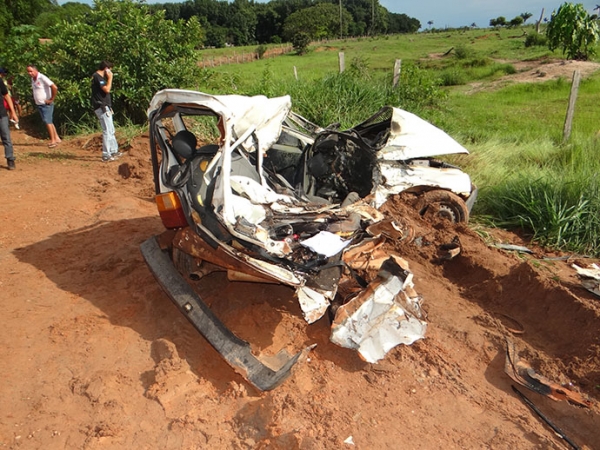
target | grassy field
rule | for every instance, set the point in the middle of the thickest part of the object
(528, 177)
(380, 53)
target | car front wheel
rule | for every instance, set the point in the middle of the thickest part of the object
(443, 204)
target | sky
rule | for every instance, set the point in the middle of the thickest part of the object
(453, 13)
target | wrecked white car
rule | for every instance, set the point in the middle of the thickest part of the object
(275, 198)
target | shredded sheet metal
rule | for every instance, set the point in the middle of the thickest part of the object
(325, 243)
(380, 317)
(590, 277)
(313, 304)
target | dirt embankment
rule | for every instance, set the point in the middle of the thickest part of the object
(94, 354)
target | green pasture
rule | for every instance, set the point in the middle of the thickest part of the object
(481, 47)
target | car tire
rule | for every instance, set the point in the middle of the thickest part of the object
(444, 205)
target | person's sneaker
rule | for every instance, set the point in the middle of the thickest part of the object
(117, 155)
(11, 164)
(108, 158)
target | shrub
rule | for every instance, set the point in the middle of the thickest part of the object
(462, 52)
(300, 42)
(261, 50)
(536, 39)
(453, 76)
(350, 97)
(573, 30)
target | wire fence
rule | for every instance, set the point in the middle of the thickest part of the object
(244, 57)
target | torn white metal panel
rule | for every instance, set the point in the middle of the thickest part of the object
(590, 277)
(325, 243)
(257, 192)
(399, 178)
(412, 137)
(592, 271)
(376, 321)
(242, 207)
(240, 113)
(313, 304)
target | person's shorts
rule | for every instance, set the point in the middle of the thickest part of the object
(46, 111)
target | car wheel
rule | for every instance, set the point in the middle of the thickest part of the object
(443, 204)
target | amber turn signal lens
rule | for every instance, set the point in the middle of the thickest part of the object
(170, 210)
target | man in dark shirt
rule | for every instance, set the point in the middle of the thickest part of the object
(4, 126)
(102, 105)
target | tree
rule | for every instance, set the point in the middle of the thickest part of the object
(69, 11)
(242, 23)
(320, 21)
(573, 30)
(516, 22)
(498, 22)
(525, 16)
(300, 42)
(14, 13)
(401, 23)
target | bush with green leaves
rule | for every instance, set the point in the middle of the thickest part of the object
(149, 53)
(261, 50)
(300, 42)
(573, 30)
(536, 39)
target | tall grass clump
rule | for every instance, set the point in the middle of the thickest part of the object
(350, 97)
(551, 192)
(562, 214)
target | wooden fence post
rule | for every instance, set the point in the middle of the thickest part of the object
(341, 61)
(571, 108)
(397, 66)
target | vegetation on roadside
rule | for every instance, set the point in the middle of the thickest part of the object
(528, 177)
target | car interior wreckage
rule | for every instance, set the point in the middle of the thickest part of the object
(277, 199)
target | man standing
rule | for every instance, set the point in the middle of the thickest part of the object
(4, 126)
(8, 83)
(102, 105)
(44, 91)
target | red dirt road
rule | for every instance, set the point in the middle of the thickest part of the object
(95, 355)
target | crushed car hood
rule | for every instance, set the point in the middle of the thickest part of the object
(412, 137)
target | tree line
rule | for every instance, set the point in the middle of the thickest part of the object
(241, 22)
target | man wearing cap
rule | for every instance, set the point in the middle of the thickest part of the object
(4, 126)
(44, 91)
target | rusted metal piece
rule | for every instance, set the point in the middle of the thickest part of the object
(522, 372)
(192, 244)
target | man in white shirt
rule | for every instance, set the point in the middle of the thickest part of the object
(44, 91)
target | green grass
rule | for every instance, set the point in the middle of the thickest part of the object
(380, 53)
(529, 178)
